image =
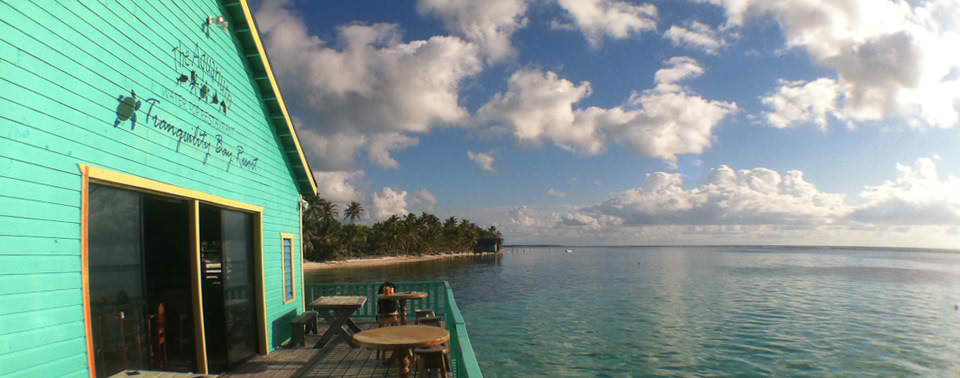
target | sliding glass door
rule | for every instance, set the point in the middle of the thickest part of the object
(140, 296)
(228, 286)
(117, 295)
(238, 286)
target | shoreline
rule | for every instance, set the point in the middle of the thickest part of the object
(385, 260)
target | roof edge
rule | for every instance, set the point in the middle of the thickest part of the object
(255, 36)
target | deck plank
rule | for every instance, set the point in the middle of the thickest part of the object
(335, 360)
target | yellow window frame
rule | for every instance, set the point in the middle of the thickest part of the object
(283, 268)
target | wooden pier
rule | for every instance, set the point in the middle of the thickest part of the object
(336, 360)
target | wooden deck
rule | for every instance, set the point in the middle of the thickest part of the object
(336, 360)
(154, 374)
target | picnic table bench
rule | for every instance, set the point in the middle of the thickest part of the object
(337, 310)
(305, 322)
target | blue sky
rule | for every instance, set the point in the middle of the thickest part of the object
(634, 122)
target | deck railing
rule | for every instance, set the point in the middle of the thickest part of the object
(440, 299)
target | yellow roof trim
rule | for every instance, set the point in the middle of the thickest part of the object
(276, 90)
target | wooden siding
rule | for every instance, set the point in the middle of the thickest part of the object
(64, 67)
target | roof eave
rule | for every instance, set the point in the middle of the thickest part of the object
(257, 58)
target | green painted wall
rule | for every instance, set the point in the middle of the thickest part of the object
(65, 67)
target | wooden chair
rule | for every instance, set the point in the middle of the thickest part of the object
(425, 313)
(388, 312)
(435, 359)
(158, 335)
(387, 320)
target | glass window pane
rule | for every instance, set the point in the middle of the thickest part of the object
(117, 300)
(238, 286)
(288, 268)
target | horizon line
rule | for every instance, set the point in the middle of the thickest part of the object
(931, 249)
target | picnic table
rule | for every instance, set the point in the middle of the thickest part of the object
(337, 310)
(401, 339)
(402, 297)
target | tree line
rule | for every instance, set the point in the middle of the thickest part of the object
(326, 238)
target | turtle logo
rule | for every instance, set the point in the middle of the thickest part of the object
(127, 109)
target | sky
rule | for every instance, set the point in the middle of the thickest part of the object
(588, 122)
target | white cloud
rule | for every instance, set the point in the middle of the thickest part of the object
(424, 200)
(918, 208)
(678, 68)
(916, 197)
(696, 35)
(582, 220)
(483, 160)
(535, 223)
(892, 59)
(556, 193)
(748, 206)
(337, 151)
(581, 225)
(540, 104)
(798, 102)
(661, 122)
(389, 203)
(520, 216)
(577, 219)
(330, 152)
(671, 120)
(490, 23)
(382, 144)
(337, 186)
(616, 19)
(726, 197)
(373, 88)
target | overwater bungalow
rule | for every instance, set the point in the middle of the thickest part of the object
(151, 185)
(488, 245)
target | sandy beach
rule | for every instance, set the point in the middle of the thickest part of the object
(384, 260)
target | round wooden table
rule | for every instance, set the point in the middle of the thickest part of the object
(400, 339)
(402, 297)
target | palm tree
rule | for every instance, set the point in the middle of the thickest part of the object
(353, 211)
(320, 227)
(324, 238)
(327, 209)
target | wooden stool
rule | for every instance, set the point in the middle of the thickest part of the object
(386, 320)
(431, 321)
(390, 319)
(437, 358)
(427, 312)
(434, 360)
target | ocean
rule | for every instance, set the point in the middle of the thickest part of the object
(701, 311)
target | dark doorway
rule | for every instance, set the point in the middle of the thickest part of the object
(167, 254)
(140, 297)
(226, 240)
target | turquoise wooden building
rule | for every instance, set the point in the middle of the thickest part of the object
(150, 189)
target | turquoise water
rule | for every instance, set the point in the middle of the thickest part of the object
(703, 311)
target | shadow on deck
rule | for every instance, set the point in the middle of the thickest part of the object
(335, 360)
